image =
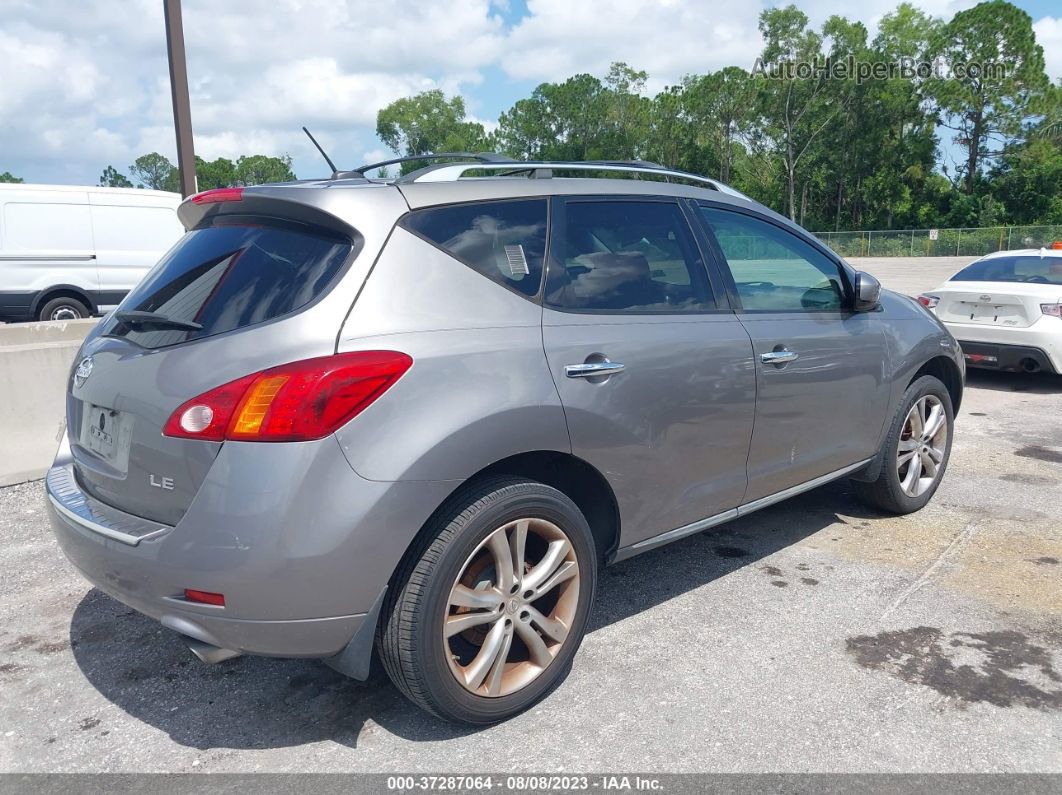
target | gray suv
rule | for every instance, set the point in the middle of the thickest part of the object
(417, 415)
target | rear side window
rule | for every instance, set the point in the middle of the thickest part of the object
(626, 256)
(505, 241)
(1031, 270)
(232, 275)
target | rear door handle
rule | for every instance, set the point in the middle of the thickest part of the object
(590, 369)
(779, 357)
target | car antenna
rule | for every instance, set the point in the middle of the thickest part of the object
(328, 160)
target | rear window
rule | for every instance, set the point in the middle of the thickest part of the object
(505, 240)
(1031, 270)
(234, 274)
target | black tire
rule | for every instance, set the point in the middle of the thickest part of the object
(409, 638)
(886, 492)
(64, 306)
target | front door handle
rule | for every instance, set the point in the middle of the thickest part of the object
(779, 357)
(591, 369)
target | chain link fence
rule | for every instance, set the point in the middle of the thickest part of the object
(971, 242)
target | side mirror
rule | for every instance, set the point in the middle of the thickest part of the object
(867, 292)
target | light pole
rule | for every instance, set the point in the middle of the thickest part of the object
(182, 110)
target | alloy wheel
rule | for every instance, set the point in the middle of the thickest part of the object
(511, 607)
(923, 442)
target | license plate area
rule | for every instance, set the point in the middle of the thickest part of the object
(107, 433)
(1000, 314)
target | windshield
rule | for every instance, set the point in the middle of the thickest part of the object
(230, 275)
(1029, 269)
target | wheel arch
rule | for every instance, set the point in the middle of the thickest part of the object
(578, 480)
(62, 291)
(569, 474)
(947, 372)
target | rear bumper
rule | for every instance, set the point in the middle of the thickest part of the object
(1041, 342)
(993, 356)
(301, 552)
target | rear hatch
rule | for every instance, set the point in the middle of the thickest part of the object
(993, 303)
(224, 302)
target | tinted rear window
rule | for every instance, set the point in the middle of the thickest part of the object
(232, 275)
(1031, 270)
(505, 240)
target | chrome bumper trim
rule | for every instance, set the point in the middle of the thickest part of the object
(82, 510)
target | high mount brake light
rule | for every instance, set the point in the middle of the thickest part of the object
(218, 195)
(294, 402)
(928, 301)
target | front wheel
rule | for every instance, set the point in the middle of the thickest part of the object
(487, 614)
(915, 452)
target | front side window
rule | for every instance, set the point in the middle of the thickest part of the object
(626, 256)
(1031, 270)
(503, 240)
(774, 270)
(233, 274)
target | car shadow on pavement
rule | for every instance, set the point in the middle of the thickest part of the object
(261, 703)
(1036, 383)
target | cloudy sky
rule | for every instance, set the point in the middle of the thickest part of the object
(84, 83)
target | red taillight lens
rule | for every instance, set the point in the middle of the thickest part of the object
(1054, 310)
(218, 195)
(290, 403)
(928, 301)
(204, 597)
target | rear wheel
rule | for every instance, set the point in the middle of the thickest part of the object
(916, 450)
(63, 308)
(486, 617)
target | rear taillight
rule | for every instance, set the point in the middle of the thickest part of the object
(218, 195)
(1054, 310)
(290, 403)
(928, 301)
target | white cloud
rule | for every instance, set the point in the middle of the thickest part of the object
(668, 40)
(85, 84)
(1049, 36)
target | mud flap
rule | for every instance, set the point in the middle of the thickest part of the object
(355, 658)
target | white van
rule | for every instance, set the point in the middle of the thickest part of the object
(69, 252)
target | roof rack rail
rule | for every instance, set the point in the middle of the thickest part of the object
(543, 169)
(479, 157)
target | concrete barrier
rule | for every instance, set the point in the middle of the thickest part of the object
(35, 360)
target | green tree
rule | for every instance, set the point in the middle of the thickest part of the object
(1028, 182)
(626, 112)
(428, 123)
(1002, 77)
(796, 110)
(261, 169)
(7, 176)
(219, 173)
(155, 171)
(723, 106)
(112, 178)
(569, 120)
